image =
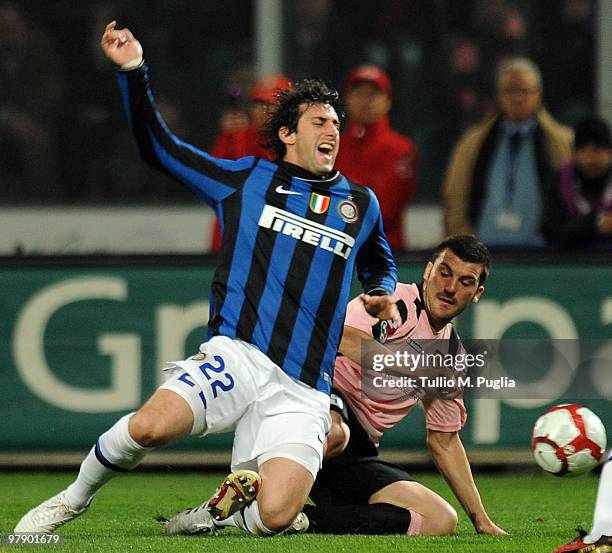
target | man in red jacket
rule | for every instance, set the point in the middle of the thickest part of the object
(374, 153)
(237, 140)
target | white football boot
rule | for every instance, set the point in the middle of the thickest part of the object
(49, 515)
(190, 521)
(237, 490)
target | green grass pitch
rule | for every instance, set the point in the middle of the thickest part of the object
(539, 511)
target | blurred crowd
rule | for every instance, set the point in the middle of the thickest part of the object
(461, 104)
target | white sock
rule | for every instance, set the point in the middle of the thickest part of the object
(602, 516)
(230, 521)
(247, 519)
(115, 452)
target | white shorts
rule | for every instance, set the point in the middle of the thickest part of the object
(231, 385)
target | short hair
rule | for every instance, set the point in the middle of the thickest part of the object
(468, 248)
(519, 64)
(592, 130)
(285, 111)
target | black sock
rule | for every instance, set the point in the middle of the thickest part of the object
(376, 518)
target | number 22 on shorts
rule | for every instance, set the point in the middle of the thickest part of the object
(218, 369)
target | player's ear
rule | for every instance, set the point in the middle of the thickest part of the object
(427, 270)
(287, 137)
(478, 293)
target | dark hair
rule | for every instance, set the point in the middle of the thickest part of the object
(467, 248)
(592, 130)
(285, 111)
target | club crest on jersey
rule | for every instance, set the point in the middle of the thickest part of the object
(384, 331)
(318, 203)
(348, 211)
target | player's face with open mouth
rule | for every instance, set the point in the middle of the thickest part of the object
(314, 146)
(449, 285)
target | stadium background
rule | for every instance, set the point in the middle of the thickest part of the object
(81, 317)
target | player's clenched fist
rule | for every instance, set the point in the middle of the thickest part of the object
(120, 46)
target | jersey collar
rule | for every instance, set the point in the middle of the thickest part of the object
(298, 172)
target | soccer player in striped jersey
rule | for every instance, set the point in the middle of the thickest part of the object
(293, 233)
(357, 492)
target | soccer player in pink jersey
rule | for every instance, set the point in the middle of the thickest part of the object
(356, 491)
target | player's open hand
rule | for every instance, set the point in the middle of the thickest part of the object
(119, 45)
(489, 527)
(382, 307)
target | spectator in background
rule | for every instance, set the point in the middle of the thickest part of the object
(495, 31)
(499, 169)
(374, 153)
(579, 202)
(240, 137)
(31, 91)
(319, 39)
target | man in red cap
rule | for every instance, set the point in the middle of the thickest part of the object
(234, 143)
(374, 153)
(238, 140)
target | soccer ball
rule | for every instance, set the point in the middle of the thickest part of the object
(568, 440)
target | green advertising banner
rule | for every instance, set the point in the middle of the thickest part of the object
(81, 345)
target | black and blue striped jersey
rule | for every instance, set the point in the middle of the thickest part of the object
(290, 243)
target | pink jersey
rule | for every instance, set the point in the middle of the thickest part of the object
(377, 414)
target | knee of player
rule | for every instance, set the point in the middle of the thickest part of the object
(440, 522)
(446, 520)
(277, 520)
(145, 432)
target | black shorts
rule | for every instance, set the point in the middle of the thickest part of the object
(357, 473)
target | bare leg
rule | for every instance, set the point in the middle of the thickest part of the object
(165, 418)
(438, 516)
(284, 490)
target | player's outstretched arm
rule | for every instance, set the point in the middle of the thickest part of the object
(376, 268)
(120, 46)
(382, 307)
(375, 359)
(449, 455)
(212, 179)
